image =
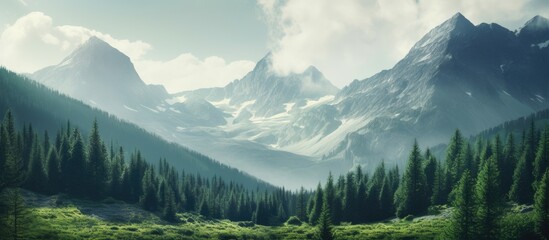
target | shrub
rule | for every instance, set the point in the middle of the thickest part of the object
(294, 220)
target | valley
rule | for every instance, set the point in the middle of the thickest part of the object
(451, 142)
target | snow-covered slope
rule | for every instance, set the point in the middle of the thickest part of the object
(103, 77)
(457, 76)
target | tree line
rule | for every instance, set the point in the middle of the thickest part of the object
(479, 178)
(88, 168)
(476, 177)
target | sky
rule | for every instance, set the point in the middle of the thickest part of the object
(192, 44)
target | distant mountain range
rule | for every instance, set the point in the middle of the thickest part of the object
(291, 130)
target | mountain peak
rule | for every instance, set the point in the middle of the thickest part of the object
(454, 26)
(535, 30)
(538, 22)
(458, 22)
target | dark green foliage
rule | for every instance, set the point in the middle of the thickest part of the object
(462, 223)
(36, 178)
(325, 224)
(430, 171)
(149, 200)
(509, 163)
(15, 219)
(349, 199)
(438, 196)
(169, 212)
(76, 167)
(541, 161)
(453, 164)
(521, 189)
(411, 196)
(301, 206)
(54, 173)
(46, 109)
(541, 206)
(488, 200)
(98, 172)
(294, 220)
(317, 205)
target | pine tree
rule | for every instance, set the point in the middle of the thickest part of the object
(509, 162)
(429, 170)
(541, 206)
(17, 214)
(301, 207)
(36, 179)
(541, 162)
(54, 173)
(169, 211)
(76, 166)
(14, 169)
(462, 222)
(330, 195)
(455, 147)
(204, 208)
(117, 173)
(488, 199)
(149, 200)
(439, 192)
(410, 197)
(97, 165)
(317, 205)
(324, 224)
(386, 208)
(349, 198)
(521, 189)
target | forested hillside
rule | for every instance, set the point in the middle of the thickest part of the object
(45, 109)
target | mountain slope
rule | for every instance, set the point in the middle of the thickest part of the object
(103, 77)
(48, 110)
(457, 76)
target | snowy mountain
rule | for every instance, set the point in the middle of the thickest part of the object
(291, 130)
(457, 76)
(103, 77)
(100, 75)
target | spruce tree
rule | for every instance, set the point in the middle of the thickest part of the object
(53, 169)
(462, 223)
(455, 147)
(16, 219)
(439, 192)
(316, 205)
(430, 170)
(509, 163)
(330, 195)
(411, 195)
(521, 190)
(349, 198)
(76, 166)
(325, 231)
(169, 211)
(541, 161)
(149, 200)
(541, 206)
(301, 207)
(488, 200)
(36, 179)
(97, 164)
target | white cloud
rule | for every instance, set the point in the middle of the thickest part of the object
(187, 72)
(351, 39)
(34, 42)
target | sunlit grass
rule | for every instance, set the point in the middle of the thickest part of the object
(69, 223)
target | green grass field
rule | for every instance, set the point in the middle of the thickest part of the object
(62, 217)
(70, 223)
